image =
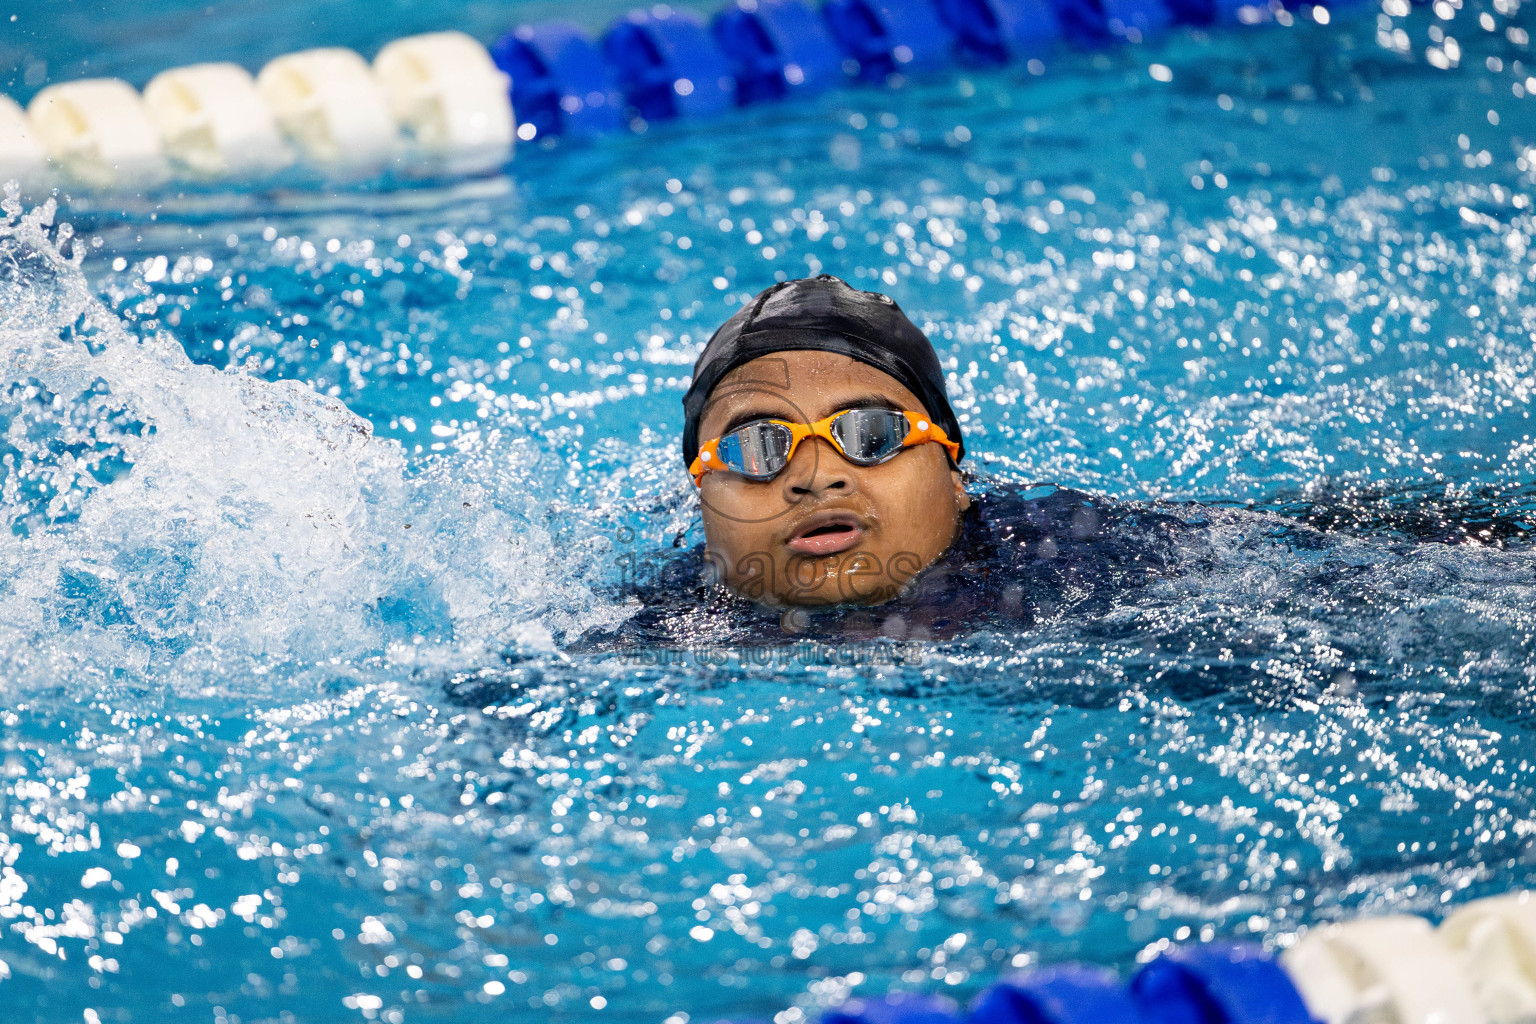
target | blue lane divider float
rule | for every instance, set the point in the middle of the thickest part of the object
(1222, 13)
(775, 46)
(1092, 23)
(1215, 983)
(897, 1008)
(887, 36)
(1069, 994)
(668, 65)
(997, 31)
(560, 84)
(1219, 983)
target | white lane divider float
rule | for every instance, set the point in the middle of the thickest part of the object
(21, 155)
(329, 104)
(213, 122)
(1383, 970)
(445, 90)
(1497, 941)
(99, 131)
(337, 113)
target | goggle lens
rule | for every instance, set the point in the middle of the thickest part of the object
(758, 451)
(870, 436)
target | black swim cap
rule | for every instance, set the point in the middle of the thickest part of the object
(823, 314)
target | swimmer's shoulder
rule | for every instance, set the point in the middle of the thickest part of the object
(1048, 521)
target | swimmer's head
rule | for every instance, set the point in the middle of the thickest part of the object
(824, 447)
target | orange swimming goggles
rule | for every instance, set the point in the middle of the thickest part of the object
(865, 437)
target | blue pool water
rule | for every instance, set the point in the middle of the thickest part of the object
(318, 499)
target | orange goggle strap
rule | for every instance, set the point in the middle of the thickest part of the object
(925, 430)
(921, 430)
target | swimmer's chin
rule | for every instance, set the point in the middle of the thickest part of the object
(853, 590)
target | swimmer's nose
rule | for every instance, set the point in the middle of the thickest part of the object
(815, 469)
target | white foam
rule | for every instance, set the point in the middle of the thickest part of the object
(183, 522)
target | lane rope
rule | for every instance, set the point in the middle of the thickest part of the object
(444, 103)
(1478, 967)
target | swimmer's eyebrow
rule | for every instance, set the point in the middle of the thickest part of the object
(743, 418)
(869, 401)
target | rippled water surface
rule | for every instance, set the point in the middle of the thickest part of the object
(317, 498)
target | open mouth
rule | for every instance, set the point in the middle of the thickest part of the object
(827, 534)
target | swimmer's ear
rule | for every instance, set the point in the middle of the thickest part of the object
(962, 499)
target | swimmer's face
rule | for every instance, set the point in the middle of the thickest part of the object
(824, 531)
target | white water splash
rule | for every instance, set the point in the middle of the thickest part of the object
(162, 519)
